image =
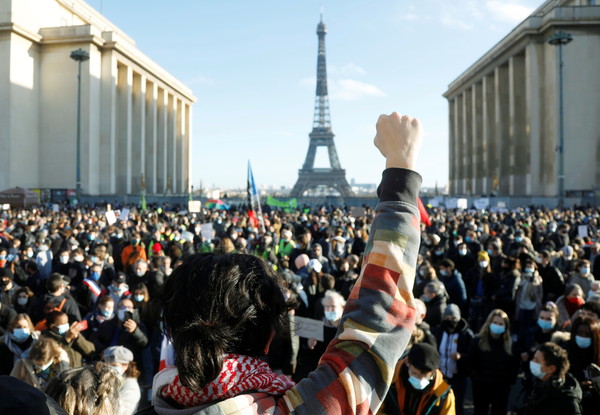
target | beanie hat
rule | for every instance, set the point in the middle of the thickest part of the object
(452, 310)
(424, 357)
(483, 256)
(301, 261)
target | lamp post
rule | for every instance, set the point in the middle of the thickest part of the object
(560, 39)
(79, 56)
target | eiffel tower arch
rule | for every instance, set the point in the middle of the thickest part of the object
(334, 176)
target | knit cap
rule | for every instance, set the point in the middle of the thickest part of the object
(483, 256)
(424, 357)
(452, 310)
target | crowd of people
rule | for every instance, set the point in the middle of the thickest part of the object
(498, 297)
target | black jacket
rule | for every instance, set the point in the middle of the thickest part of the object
(6, 315)
(435, 309)
(495, 366)
(553, 397)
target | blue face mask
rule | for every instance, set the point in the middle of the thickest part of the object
(545, 324)
(497, 328)
(468, 239)
(21, 335)
(443, 273)
(426, 299)
(489, 251)
(95, 276)
(518, 239)
(536, 369)
(138, 298)
(583, 342)
(106, 313)
(418, 384)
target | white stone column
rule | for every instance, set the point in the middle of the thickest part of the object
(124, 135)
(519, 137)
(477, 147)
(459, 147)
(179, 134)
(489, 144)
(151, 137)
(502, 125)
(538, 177)
(188, 145)
(138, 141)
(451, 140)
(468, 143)
(108, 122)
(161, 147)
(171, 137)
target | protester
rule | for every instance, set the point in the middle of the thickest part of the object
(555, 391)
(584, 357)
(418, 386)
(16, 341)
(44, 361)
(209, 328)
(493, 364)
(121, 360)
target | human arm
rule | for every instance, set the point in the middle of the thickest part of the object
(356, 370)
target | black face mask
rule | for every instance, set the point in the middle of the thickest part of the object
(449, 325)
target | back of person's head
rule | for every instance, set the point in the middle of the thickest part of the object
(554, 355)
(216, 304)
(20, 398)
(87, 390)
(43, 350)
(327, 282)
(434, 287)
(447, 263)
(54, 282)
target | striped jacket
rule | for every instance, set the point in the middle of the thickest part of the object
(356, 370)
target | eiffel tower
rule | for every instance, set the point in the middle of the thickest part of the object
(321, 136)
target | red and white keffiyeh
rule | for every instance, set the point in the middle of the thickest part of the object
(240, 374)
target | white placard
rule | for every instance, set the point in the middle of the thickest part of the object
(187, 236)
(501, 205)
(55, 207)
(110, 217)
(435, 202)
(206, 229)
(481, 204)
(357, 212)
(451, 203)
(194, 206)
(461, 203)
(6, 206)
(308, 328)
(582, 231)
(124, 214)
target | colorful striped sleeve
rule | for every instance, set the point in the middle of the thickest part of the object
(356, 371)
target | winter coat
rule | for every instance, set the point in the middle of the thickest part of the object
(494, 366)
(77, 349)
(456, 289)
(553, 397)
(436, 399)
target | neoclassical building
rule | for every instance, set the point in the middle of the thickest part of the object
(504, 109)
(135, 116)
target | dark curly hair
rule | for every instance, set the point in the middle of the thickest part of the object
(214, 304)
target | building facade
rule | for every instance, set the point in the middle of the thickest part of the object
(135, 117)
(504, 109)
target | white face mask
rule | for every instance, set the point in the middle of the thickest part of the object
(483, 264)
(118, 369)
(333, 315)
(64, 259)
(78, 258)
(45, 366)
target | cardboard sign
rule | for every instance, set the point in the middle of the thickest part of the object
(194, 206)
(110, 217)
(308, 328)
(358, 212)
(481, 204)
(124, 214)
(207, 231)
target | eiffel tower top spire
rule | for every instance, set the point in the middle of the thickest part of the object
(322, 117)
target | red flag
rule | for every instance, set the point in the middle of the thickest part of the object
(424, 216)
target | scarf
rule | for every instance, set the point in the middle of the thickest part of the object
(572, 304)
(16, 347)
(240, 374)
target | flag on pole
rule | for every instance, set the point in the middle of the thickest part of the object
(424, 216)
(254, 202)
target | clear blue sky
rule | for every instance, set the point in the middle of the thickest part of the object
(252, 65)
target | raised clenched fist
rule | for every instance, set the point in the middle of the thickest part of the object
(398, 138)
